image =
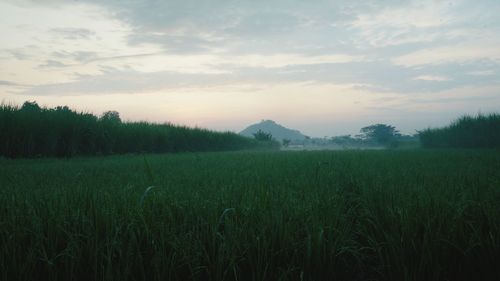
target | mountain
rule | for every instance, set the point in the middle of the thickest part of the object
(276, 130)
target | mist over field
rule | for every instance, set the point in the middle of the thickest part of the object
(249, 140)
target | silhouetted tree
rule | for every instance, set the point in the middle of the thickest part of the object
(380, 133)
(111, 117)
(30, 106)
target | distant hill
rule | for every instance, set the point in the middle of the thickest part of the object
(276, 130)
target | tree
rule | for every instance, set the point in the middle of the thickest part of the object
(263, 136)
(343, 140)
(380, 133)
(62, 109)
(30, 106)
(111, 117)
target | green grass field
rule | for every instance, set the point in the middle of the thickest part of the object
(343, 215)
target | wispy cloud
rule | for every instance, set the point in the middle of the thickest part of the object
(52, 64)
(432, 78)
(451, 54)
(417, 21)
(7, 83)
(73, 33)
(482, 73)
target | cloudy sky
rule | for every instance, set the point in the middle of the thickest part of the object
(323, 67)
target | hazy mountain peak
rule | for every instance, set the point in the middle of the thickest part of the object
(278, 131)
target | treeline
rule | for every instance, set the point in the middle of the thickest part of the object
(481, 131)
(381, 135)
(33, 131)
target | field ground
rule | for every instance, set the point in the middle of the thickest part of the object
(335, 215)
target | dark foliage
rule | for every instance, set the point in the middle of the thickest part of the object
(263, 136)
(32, 131)
(380, 133)
(481, 131)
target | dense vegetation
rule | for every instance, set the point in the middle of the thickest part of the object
(31, 131)
(378, 135)
(345, 215)
(481, 131)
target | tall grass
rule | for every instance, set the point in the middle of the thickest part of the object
(481, 131)
(31, 131)
(346, 215)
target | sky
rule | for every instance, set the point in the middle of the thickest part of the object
(323, 67)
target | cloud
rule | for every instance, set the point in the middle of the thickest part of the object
(79, 56)
(404, 48)
(283, 60)
(13, 87)
(434, 78)
(240, 72)
(420, 21)
(482, 73)
(197, 72)
(52, 64)
(448, 100)
(20, 54)
(451, 54)
(73, 33)
(179, 44)
(471, 96)
(232, 26)
(128, 82)
(7, 83)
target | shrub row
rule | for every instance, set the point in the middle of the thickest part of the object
(32, 131)
(481, 131)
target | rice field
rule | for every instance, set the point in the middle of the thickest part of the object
(315, 215)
